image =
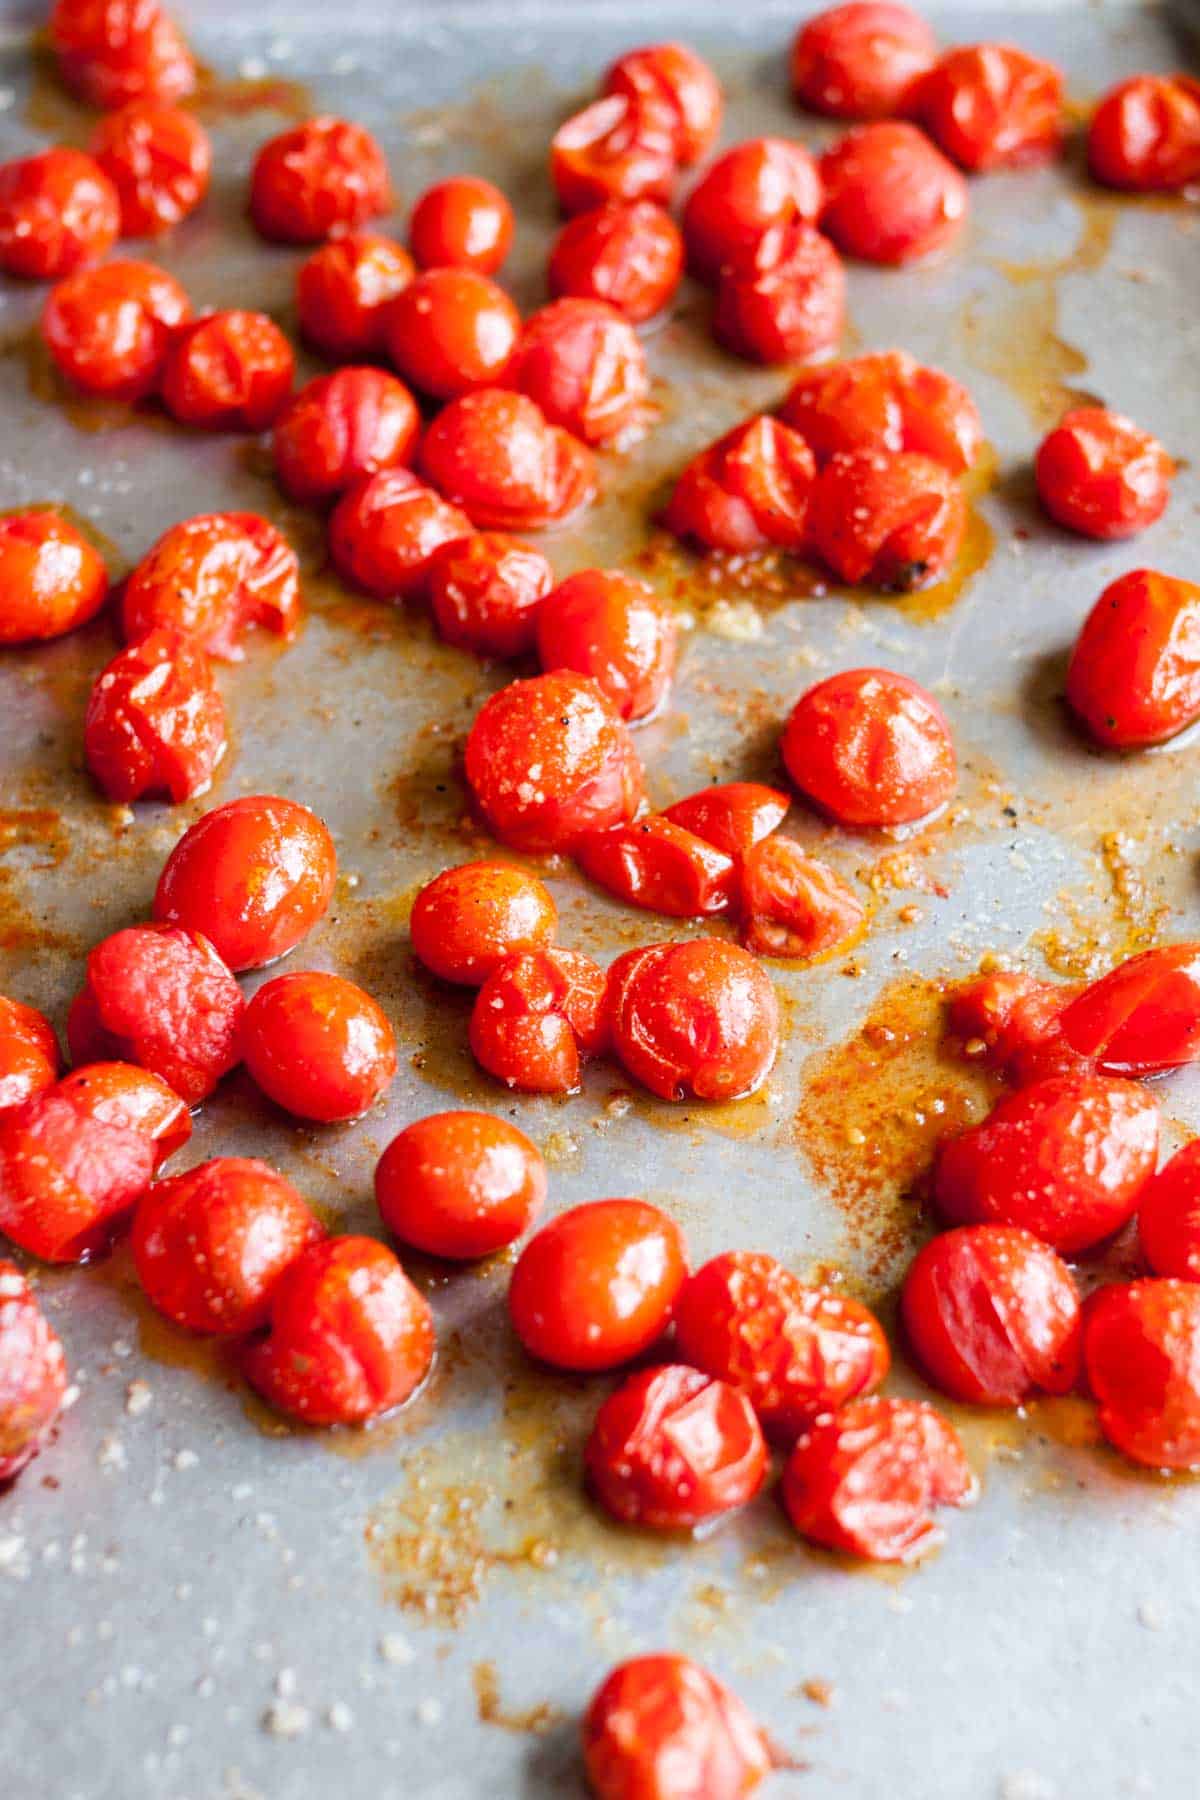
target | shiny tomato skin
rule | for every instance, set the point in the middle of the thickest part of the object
(584, 366)
(1145, 134)
(1134, 674)
(654, 863)
(214, 577)
(756, 185)
(786, 300)
(451, 331)
(229, 371)
(484, 593)
(159, 160)
(696, 1019)
(254, 875)
(1143, 1017)
(793, 905)
(51, 579)
(1013, 1021)
(596, 1287)
(748, 491)
(350, 1337)
(385, 531)
(67, 1175)
(662, 1728)
(317, 180)
(628, 253)
(890, 195)
(344, 290)
(888, 520)
(123, 1093)
(613, 627)
(885, 400)
(496, 455)
(113, 51)
(672, 1448)
(862, 60)
(671, 76)
(1169, 1216)
(992, 106)
(1099, 474)
(1141, 1350)
(460, 1185)
(733, 816)
(467, 919)
(462, 223)
(341, 427)
(58, 209)
(615, 149)
(29, 1055)
(870, 748)
(155, 723)
(33, 1373)
(318, 1046)
(538, 1015)
(109, 329)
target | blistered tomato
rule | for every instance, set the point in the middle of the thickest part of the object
(616, 149)
(231, 371)
(467, 919)
(158, 159)
(627, 253)
(33, 1373)
(452, 330)
(654, 863)
(344, 290)
(385, 530)
(870, 748)
(791, 904)
(484, 593)
(112, 51)
(214, 577)
(57, 209)
(460, 1185)
(890, 195)
(109, 329)
(748, 491)
(758, 184)
(318, 1046)
(463, 223)
(29, 1059)
(1141, 1349)
(656, 1715)
(1134, 674)
(891, 520)
(317, 179)
(1099, 474)
(731, 815)
(614, 628)
(155, 723)
(1169, 1216)
(785, 300)
(497, 456)
(67, 1173)
(1145, 134)
(341, 427)
(697, 1019)
(584, 366)
(122, 1093)
(885, 400)
(862, 60)
(51, 579)
(992, 106)
(1143, 1016)
(672, 79)
(537, 1017)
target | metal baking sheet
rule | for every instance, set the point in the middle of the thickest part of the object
(198, 1604)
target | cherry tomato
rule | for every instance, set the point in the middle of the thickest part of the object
(254, 875)
(57, 209)
(992, 106)
(672, 1448)
(230, 371)
(468, 919)
(785, 300)
(672, 78)
(33, 1373)
(889, 520)
(109, 329)
(452, 330)
(385, 531)
(654, 863)
(890, 195)
(1141, 1348)
(318, 180)
(866, 1480)
(614, 628)
(210, 1245)
(1016, 1022)
(66, 1175)
(584, 366)
(870, 748)
(793, 905)
(1134, 674)
(121, 1093)
(341, 427)
(861, 61)
(460, 1185)
(344, 290)
(214, 577)
(1168, 1216)
(596, 1287)
(463, 223)
(496, 455)
(318, 1046)
(51, 580)
(1145, 134)
(350, 1336)
(656, 1718)
(732, 815)
(694, 1020)
(158, 159)
(748, 491)
(536, 1017)
(1143, 1017)
(29, 1059)
(1099, 474)
(154, 722)
(618, 148)
(626, 253)
(112, 51)
(885, 401)
(485, 590)
(756, 185)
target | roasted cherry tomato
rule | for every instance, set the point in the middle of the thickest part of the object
(1014, 1022)
(596, 1287)
(885, 400)
(732, 815)
(317, 180)
(254, 875)
(68, 1173)
(654, 863)
(870, 748)
(862, 60)
(550, 758)
(1141, 1349)
(1169, 1216)
(584, 366)
(122, 1093)
(1134, 674)
(51, 579)
(214, 577)
(1099, 474)
(1065, 1158)
(694, 1020)
(659, 1720)
(866, 1479)
(230, 371)
(785, 300)
(29, 1059)
(210, 1245)
(1145, 134)
(672, 1448)
(154, 722)
(57, 209)
(350, 1337)
(748, 491)
(758, 184)
(674, 79)
(109, 329)
(158, 159)
(537, 1017)
(318, 1046)
(385, 530)
(344, 290)
(497, 456)
(112, 51)
(33, 1373)
(618, 148)
(627, 253)
(341, 427)
(889, 520)
(791, 904)
(460, 1185)
(890, 195)
(992, 106)
(468, 919)
(1143, 1017)
(614, 628)
(463, 223)
(452, 330)
(484, 592)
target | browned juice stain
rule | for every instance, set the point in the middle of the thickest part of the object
(1132, 913)
(219, 97)
(534, 1720)
(89, 413)
(36, 827)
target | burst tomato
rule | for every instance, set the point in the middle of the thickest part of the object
(122, 1093)
(732, 815)
(1145, 134)
(626, 253)
(756, 185)
(463, 223)
(109, 329)
(887, 401)
(497, 456)
(468, 919)
(793, 905)
(890, 195)
(316, 180)
(1134, 674)
(51, 579)
(537, 1017)
(1143, 1017)
(657, 1715)
(785, 300)
(862, 60)
(460, 1185)
(1169, 1216)
(341, 427)
(344, 290)
(385, 531)
(57, 209)
(230, 371)
(697, 1019)
(450, 331)
(870, 748)
(214, 577)
(583, 364)
(1099, 474)
(890, 520)
(674, 80)
(654, 863)
(748, 491)
(992, 106)
(159, 160)
(155, 723)
(484, 592)
(603, 623)
(113, 51)
(1014, 1021)
(617, 148)
(29, 1058)
(1141, 1348)
(67, 1174)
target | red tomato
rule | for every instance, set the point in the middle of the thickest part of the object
(861, 61)
(496, 455)
(617, 148)
(485, 590)
(66, 1175)
(867, 1479)
(656, 1719)
(51, 580)
(1145, 134)
(158, 159)
(29, 1059)
(992, 106)
(109, 329)
(318, 180)
(214, 577)
(468, 919)
(57, 209)
(344, 290)
(154, 722)
(460, 1185)
(584, 366)
(748, 491)
(1134, 674)
(385, 531)
(756, 185)
(121, 1093)
(1141, 1348)
(1015, 1022)
(672, 1448)
(463, 223)
(697, 1019)
(350, 1336)
(870, 748)
(596, 1287)
(885, 401)
(654, 863)
(452, 330)
(209, 1246)
(1169, 1216)
(673, 79)
(113, 51)
(795, 1351)
(341, 427)
(890, 196)
(548, 759)
(733, 815)
(785, 300)
(230, 371)
(1099, 474)
(792, 904)
(536, 1017)
(603, 623)
(33, 1373)
(318, 1046)
(1143, 1017)
(626, 253)
(893, 521)
(254, 875)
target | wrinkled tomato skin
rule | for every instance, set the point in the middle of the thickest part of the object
(385, 531)
(67, 1175)
(1145, 135)
(862, 60)
(536, 1017)
(467, 919)
(159, 161)
(213, 577)
(316, 180)
(673, 78)
(109, 329)
(1141, 1348)
(672, 1448)
(793, 905)
(993, 106)
(254, 876)
(657, 1721)
(51, 579)
(33, 1373)
(209, 1245)
(596, 1286)
(615, 149)
(1169, 1216)
(870, 748)
(460, 1185)
(155, 723)
(785, 301)
(890, 195)
(111, 52)
(451, 331)
(584, 366)
(748, 491)
(485, 590)
(318, 1046)
(609, 625)
(885, 401)
(344, 291)
(1134, 674)
(888, 520)
(496, 455)
(58, 209)
(762, 183)
(656, 864)
(1143, 1017)
(733, 816)
(696, 1019)
(340, 428)
(29, 1056)
(1100, 475)
(122, 1093)
(462, 223)
(1014, 1022)
(230, 371)
(628, 254)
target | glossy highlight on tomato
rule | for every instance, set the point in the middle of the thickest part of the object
(673, 79)
(784, 301)
(452, 330)
(618, 148)
(794, 905)
(462, 223)
(626, 253)
(460, 1185)
(110, 52)
(341, 427)
(862, 60)
(748, 491)
(993, 106)
(155, 722)
(870, 748)
(122, 1093)
(496, 455)
(159, 159)
(885, 400)
(385, 531)
(317, 179)
(536, 1018)
(654, 863)
(655, 1715)
(467, 919)
(109, 329)
(1099, 474)
(344, 290)
(1141, 1348)
(1145, 135)
(51, 579)
(762, 183)
(215, 577)
(1143, 1017)
(696, 1019)
(67, 1174)
(1134, 674)
(485, 590)
(33, 1373)
(615, 628)
(889, 520)
(731, 815)
(58, 209)
(318, 1046)
(584, 366)
(890, 195)
(29, 1055)
(229, 371)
